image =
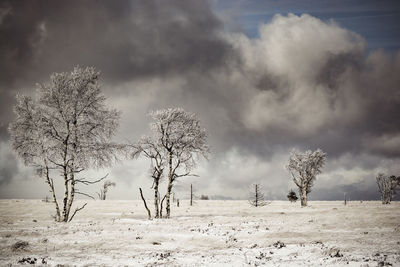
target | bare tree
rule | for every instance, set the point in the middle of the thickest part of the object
(103, 192)
(387, 186)
(256, 198)
(182, 141)
(304, 169)
(66, 129)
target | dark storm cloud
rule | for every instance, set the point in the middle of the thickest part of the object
(303, 83)
(124, 39)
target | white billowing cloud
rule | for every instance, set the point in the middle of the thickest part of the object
(299, 57)
(299, 46)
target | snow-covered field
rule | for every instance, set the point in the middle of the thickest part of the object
(210, 233)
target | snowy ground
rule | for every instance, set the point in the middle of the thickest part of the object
(210, 233)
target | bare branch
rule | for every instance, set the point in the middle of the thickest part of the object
(145, 204)
(84, 194)
(87, 182)
(76, 210)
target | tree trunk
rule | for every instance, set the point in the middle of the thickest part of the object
(169, 188)
(161, 205)
(51, 185)
(386, 198)
(303, 196)
(65, 170)
(66, 191)
(72, 193)
(156, 211)
(168, 195)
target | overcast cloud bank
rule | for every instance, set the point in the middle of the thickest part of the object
(302, 83)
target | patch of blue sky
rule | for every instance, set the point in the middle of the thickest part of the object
(378, 22)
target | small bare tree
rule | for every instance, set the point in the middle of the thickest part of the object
(304, 169)
(387, 186)
(103, 191)
(181, 141)
(257, 197)
(67, 129)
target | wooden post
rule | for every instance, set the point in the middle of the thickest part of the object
(256, 194)
(191, 195)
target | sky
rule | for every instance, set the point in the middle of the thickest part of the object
(263, 77)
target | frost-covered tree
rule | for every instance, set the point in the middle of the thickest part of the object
(257, 198)
(304, 168)
(103, 191)
(67, 128)
(181, 140)
(151, 148)
(387, 186)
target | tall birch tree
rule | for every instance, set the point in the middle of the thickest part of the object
(181, 140)
(67, 129)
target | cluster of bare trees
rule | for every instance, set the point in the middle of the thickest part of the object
(304, 168)
(176, 141)
(66, 129)
(103, 191)
(387, 186)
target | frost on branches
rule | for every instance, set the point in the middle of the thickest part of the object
(387, 186)
(176, 143)
(66, 129)
(304, 169)
(257, 198)
(103, 191)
